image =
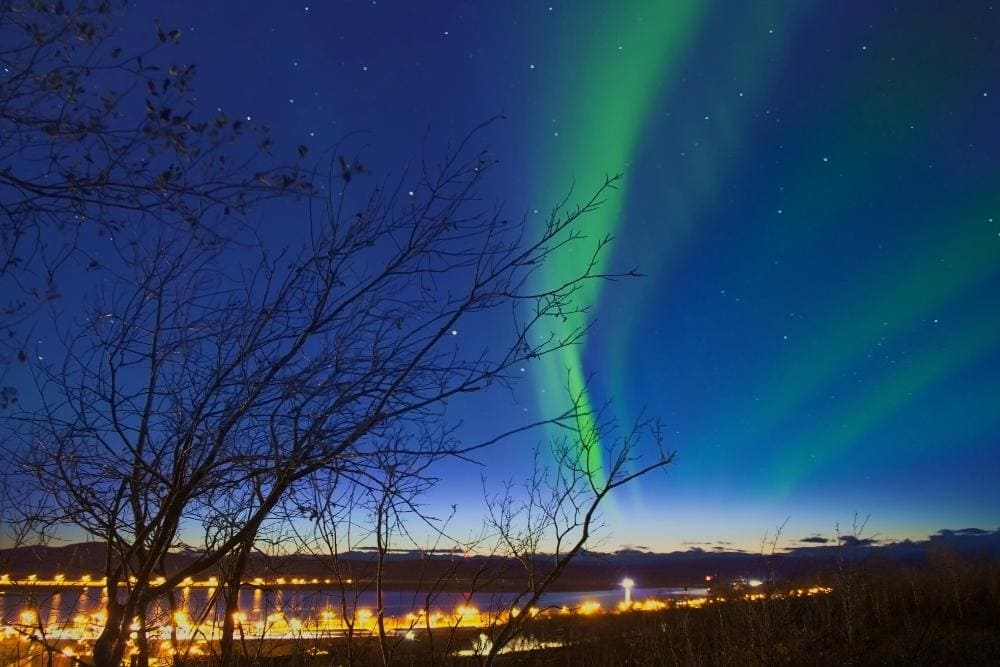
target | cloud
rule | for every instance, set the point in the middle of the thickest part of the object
(851, 541)
(628, 549)
(815, 539)
(946, 532)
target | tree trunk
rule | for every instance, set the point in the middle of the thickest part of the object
(226, 640)
(109, 647)
(142, 639)
(231, 583)
(383, 643)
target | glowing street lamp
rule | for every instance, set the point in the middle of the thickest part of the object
(627, 583)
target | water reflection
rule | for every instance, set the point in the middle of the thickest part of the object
(257, 605)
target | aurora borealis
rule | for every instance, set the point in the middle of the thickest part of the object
(812, 190)
(817, 224)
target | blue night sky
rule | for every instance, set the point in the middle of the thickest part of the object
(811, 188)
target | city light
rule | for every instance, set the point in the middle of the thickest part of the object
(194, 628)
(628, 584)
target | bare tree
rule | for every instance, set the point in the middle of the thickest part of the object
(212, 373)
(94, 141)
(545, 522)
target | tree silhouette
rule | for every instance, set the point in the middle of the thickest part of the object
(197, 384)
(96, 141)
(212, 377)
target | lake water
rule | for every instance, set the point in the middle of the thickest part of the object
(58, 607)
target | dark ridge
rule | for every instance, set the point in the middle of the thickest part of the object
(407, 570)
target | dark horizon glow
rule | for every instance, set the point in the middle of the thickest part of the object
(812, 189)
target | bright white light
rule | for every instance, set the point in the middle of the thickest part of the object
(628, 583)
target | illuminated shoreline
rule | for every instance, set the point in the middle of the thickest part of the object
(86, 581)
(197, 631)
(84, 628)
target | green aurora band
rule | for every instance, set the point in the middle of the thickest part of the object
(632, 66)
(944, 260)
(939, 269)
(606, 106)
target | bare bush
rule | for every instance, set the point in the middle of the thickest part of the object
(208, 382)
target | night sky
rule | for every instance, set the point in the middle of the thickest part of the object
(812, 190)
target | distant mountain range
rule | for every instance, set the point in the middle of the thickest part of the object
(590, 570)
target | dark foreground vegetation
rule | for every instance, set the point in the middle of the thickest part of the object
(944, 612)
